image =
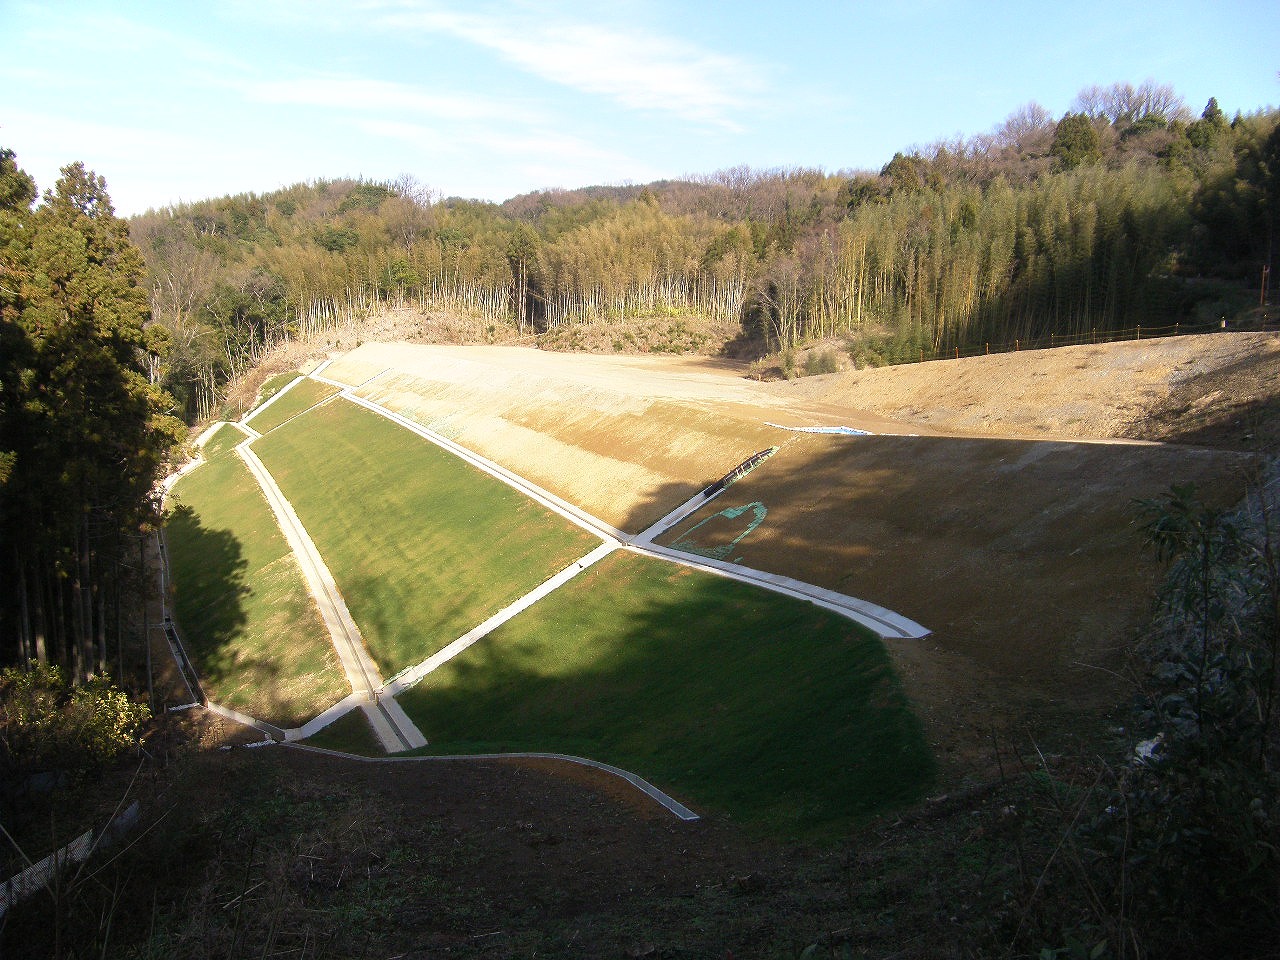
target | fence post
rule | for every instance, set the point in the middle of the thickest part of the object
(988, 347)
(1139, 331)
(957, 353)
(1016, 346)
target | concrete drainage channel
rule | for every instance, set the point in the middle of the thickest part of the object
(376, 697)
(675, 806)
(273, 735)
(885, 623)
(394, 728)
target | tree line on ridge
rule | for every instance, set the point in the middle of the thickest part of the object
(1128, 210)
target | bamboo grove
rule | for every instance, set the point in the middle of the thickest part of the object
(1128, 212)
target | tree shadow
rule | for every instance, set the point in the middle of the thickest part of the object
(210, 585)
(647, 510)
(734, 698)
(208, 570)
(1021, 556)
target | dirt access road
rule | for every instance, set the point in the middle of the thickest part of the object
(993, 504)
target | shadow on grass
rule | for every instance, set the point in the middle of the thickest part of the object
(210, 589)
(766, 708)
(350, 734)
(1021, 556)
(208, 569)
(655, 505)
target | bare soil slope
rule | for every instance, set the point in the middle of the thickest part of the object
(1207, 390)
(985, 506)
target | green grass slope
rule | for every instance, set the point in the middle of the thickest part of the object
(240, 600)
(305, 395)
(423, 546)
(733, 698)
(224, 439)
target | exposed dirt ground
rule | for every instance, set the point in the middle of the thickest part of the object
(276, 852)
(1220, 390)
(995, 504)
(1019, 554)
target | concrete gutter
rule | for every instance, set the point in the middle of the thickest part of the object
(670, 803)
(274, 397)
(885, 623)
(549, 500)
(411, 675)
(394, 728)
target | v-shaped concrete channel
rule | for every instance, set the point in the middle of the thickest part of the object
(376, 696)
(394, 729)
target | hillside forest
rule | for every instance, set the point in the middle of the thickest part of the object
(1129, 210)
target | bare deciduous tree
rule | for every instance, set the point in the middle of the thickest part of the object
(1123, 103)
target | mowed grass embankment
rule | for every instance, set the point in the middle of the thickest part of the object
(423, 546)
(224, 439)
(274, 384)
(240, 601)
(299, 398)
(350, 733)
(732, 698)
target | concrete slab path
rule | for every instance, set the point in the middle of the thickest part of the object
(411, 675)
(392, 725)
(885, 623)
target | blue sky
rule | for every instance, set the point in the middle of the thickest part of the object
(182, 100)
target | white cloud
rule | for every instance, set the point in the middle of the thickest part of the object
(501, 163)
(639, 69)
(343, 92)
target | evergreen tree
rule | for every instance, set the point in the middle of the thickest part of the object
(17, 194)
(86, 428)
(1075, 142)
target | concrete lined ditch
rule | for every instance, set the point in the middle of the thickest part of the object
(396, 732)
(885, 623)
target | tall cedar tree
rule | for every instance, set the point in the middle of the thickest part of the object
(84, 430)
